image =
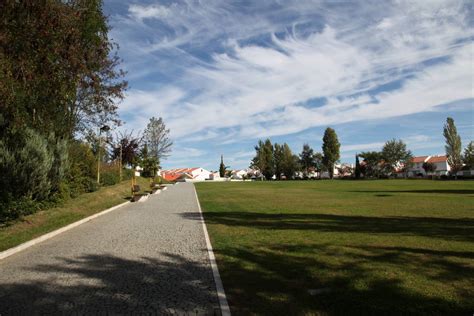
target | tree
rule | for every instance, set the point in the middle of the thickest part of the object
(318, 163)
(395, 156)
(468, 157)
(372, 164)
(263, 159)
(222, 168)
(307, 159)
(58, 66)
(156, 135)
(453, 146)
(429, 167)
(129, 144)
(331, 148)
(357, 167)
(288, 161)
(278, 160)
(148, 163)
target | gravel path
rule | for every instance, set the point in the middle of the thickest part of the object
(144, 258)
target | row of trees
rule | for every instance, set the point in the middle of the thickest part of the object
(280, 161)
(395, 157)
(59, 79)
(60, 85)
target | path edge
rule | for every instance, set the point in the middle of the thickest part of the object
(11, 251)
(224, 305)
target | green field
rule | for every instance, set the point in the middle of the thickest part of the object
(382, 247)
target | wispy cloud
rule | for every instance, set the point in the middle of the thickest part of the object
(227, 72)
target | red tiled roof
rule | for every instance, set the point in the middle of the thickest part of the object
(174, 174)
(435, 159)
(419, 159)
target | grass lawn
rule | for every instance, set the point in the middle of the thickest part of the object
(43, 222)
(384, 247)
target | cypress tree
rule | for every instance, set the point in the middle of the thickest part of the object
(357, 167)
(222, 167)
(331, 147)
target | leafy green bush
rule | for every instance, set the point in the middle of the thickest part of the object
(82, 169)
(25, 163)
(109, 178)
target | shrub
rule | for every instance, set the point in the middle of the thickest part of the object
(25, 163)
(109, 178)
(127, 174)
(82, 169)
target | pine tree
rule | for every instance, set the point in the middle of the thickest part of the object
(453, 146)
(357, 167)
(331, 147)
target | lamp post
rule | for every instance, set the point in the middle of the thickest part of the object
(104, 128)
(120, 162)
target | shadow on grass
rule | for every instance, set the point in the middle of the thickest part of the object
(276, 280)
(445, 228)
(108, 285)
(434, 191)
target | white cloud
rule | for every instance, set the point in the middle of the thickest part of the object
(362, 147)
(148, 12)
(255, 90)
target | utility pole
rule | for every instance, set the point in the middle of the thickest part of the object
(120, 161)
(104, 128)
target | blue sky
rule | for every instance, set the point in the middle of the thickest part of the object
(224, 74)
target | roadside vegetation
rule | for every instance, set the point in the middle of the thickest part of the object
(60, 86)
(380, 247)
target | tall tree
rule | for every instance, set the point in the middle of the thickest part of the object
(278, 160)
(156, 135)
(357, 167)
(289, 161)
(58, 66)
(468, 157)
(395, 156)
(263, 159)
(222, 167)
(453, 146)
(331, 148)
(307, 158)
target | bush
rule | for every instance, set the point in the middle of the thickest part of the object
(109, 178)
(127, 174)
(82, 169)
(24, 165)
(14, 208)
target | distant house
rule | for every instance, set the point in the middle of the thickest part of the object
(239, 174)
(185, 174)
(416, 170)
(440, 161)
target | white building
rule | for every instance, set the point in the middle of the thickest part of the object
(441, 163)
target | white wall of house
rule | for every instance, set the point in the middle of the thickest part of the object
(200, 174)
